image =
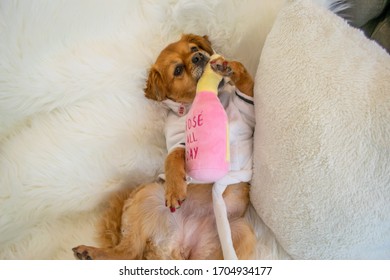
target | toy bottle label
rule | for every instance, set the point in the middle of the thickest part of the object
(207, 148)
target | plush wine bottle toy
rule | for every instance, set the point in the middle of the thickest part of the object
(207, 132)
(207, 148)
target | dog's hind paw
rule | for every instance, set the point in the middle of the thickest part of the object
(82, 252)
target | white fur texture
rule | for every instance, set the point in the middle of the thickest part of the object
(74, 124)
(322, 139)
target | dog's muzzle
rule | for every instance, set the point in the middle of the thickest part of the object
(199, 59)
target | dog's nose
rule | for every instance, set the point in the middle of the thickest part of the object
(198, 58)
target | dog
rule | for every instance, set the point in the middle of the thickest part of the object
(173, 218)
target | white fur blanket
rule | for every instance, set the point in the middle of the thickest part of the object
(74, 124)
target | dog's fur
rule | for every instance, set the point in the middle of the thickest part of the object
(137, 224)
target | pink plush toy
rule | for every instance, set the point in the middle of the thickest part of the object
(208, 151)
(207, 132)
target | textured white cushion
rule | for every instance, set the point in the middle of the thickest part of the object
(322, 140)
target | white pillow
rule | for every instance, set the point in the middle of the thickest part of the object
(322, 140)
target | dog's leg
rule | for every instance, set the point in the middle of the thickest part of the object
(244, 239)
(109, 226)
(237, 73)
(130, 247)
(83, 252)
(175, 184)
(236, 197)
(241, 78)
(143, 216)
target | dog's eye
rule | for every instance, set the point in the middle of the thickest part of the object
(178, 70)
(194, 49)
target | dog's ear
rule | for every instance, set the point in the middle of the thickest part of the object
(202, 41)
(155, 88)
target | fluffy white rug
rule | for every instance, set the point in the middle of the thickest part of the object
(74, 124)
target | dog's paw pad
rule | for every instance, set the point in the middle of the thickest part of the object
(221, 66)
(81, 253)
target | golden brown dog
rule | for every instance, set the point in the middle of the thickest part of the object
(137, 223)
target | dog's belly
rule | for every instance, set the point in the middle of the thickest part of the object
(195, 235)
(188, 233)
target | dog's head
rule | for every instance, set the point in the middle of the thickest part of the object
(178, 68)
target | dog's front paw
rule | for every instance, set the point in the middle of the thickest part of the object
(83, 252)
(221, 66)
(175, 193)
